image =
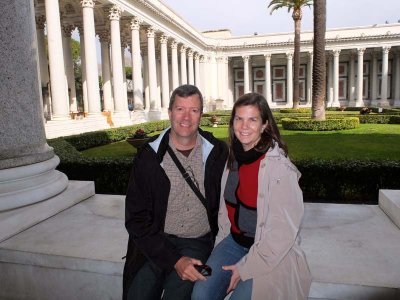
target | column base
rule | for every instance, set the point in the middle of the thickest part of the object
(396, 103)
(359, 103)
(154, 115)
(138, 116)
(121, 118)
(29, 184)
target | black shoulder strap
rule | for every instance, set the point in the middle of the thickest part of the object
(186, 176)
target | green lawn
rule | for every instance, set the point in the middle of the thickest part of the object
(369, 141)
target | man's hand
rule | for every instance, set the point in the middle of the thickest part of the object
(235, 278)
(186, 271)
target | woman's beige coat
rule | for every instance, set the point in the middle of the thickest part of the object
(275, 262)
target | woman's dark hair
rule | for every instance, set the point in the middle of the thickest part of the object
(269, 136)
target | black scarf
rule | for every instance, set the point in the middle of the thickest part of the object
(244, 157)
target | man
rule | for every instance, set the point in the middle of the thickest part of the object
(170, 229)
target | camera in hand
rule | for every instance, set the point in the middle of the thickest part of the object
(203, 270)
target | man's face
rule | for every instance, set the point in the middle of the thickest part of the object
(185, 117)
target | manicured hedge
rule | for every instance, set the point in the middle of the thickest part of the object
(352, 181)
(314, 125)
(379, 119)
(302, 110)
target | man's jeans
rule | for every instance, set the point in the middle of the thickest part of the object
(149, 285)
(227, 253)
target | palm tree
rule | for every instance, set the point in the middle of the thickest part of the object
(296, 6)
(319, 66)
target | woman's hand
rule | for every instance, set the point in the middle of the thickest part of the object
(235, 278)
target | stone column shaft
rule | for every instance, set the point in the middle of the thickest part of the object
(152, 68)
(352, 81)
(360, 77)
(137, 65)
(336, 102)
(174, 64)
(397, 81)
(92, 74)
(27, 163)
(197, 80)
(289, 91)
(164, 73)
(59, 97)
(190, 67)
(120, 97)
(183, 65)
(69, 68)
(268, 95)
(309, 77)
(106, 74)
(246, 78)
(374, 80)
(385, 69)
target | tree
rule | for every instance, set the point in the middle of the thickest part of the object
(296, 6)
(319, 66)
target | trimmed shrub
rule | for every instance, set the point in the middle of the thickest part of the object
(302, 110)
(314, 125)
(379, 119)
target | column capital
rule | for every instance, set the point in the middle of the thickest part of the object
(246, 58)
(164, 38)
(150, 31)
(196, 56)
(174, 44)
(40, 21)
(88, 3)
(80, 29)
(386, 49)
(336, 52)
(202, 58)
(360, 51)
(183, 48)
(289, 55)
(190, 53)
(104, 36)
(115, 12)
(267, 56)
(67, 29)
(135, 23)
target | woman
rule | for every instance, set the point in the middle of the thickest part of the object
(257, 255)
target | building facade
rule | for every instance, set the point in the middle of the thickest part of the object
(363, 63)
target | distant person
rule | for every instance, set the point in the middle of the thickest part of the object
(172, 225)
(257, 255)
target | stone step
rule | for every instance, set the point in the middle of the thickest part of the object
(389, 202)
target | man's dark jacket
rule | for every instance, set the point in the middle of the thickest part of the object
(147, 201)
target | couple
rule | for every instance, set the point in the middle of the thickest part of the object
(177, 206)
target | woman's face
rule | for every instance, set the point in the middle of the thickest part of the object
(248, 126)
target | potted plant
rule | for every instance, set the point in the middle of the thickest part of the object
(138, 139)
(215, 120)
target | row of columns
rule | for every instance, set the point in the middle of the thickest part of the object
(192, 70)
(355, 87)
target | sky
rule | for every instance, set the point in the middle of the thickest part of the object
(247, 17)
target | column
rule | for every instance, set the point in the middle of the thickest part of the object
(120, 97)
(336, 102)
(69, 67)
(44, 71)
(330, 80)
(146, 79)
(183, 65)
(203, 76)
(197, 79)
(190, 67)
(106, 71)
(385, 69)
(289, 67)
(213, 74)
(246, 59)
(360, 77)
(136, 64)
(58, 87)
(397, 81)
(352, 88)
(267, 91)
(174, 64)
(92, 74)
(309, 77)
(27, 163)
(83, 69)
(220, 78)
(152, 68)
(374, 79)
(164, 72)
(125, 91)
